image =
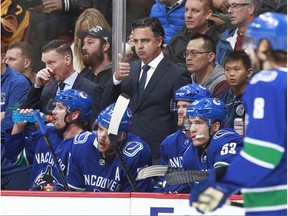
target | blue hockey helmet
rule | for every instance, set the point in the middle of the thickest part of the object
(271, 26)
(190, 92)
(105, 116)
(76, 100)
(210, 109)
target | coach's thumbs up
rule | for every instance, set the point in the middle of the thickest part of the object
(123, 70)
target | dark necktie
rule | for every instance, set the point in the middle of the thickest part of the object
(239, 42)
(61, 85)
(142, 81)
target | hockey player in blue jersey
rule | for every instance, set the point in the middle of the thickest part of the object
(261, 168)
(71, 111)
(101, 169)
(173, 146)
(212, 145)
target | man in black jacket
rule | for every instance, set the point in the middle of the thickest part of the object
(150, 99)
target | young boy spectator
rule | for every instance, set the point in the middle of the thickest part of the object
(102, 170)
(237, 71)
(71, 112)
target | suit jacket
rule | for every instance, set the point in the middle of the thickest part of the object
(38, 98)
(152, 119)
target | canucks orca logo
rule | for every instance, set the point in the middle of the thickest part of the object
(132, 148)
(221, 133)
(46, 177)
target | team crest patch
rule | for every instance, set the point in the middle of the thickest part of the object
(221, 133)
(186, 142)
(240, 109)
(132, 148)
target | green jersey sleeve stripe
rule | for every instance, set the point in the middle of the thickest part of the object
(256, 161)
(264, 143)
(220, 164)
(263, 153)
(268, 198)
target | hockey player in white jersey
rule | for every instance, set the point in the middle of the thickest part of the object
(261, 168)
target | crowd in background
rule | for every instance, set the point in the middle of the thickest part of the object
(182, 57)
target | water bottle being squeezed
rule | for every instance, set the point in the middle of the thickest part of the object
(29, 117)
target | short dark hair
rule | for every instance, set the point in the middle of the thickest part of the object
(26, 49)
(209, 43)
(60, 46)
(238, 55)
(153, 23)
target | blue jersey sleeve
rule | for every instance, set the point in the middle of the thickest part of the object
(137, 155)
(223, 148)
(263, 160)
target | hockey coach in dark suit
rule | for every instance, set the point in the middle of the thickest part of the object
(58, 59)
(150, 84)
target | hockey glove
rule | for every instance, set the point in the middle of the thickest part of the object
(208, 195)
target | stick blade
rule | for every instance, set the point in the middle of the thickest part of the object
(185, 176)
(119, 110)
(151, 171)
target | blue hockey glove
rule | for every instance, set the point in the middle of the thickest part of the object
(208, 195)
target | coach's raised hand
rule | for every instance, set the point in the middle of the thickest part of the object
(123, 69)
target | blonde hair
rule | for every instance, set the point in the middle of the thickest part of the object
(93, 17)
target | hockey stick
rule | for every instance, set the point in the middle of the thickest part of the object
(119, 110)
(50, 147)
(172, 176)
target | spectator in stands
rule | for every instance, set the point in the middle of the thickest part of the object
(102, 170)
(197, 14)
(241, 13)
(57, 56)
(212, 145)
(20, 56)
(86, 20)
(200, 61)
(97, 54)
(171, 15)
(72, 109)
(237, 71)
(58, 20)
(173, 146)
(150, 98)
(14, 89)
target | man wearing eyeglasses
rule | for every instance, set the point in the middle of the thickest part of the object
(197, 15)
(241, 13)
(200, 62)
